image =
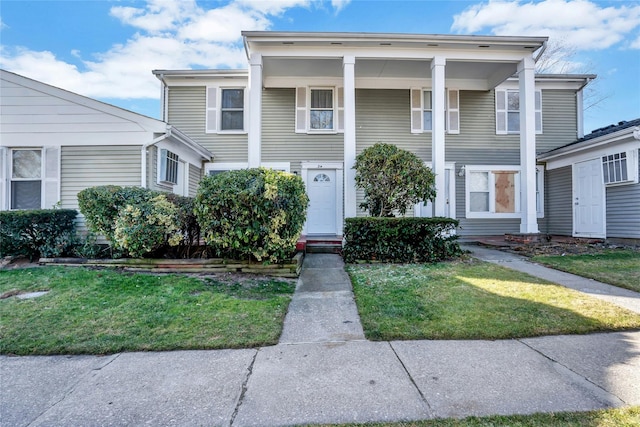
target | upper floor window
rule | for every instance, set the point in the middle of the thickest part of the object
(422, 111)
(321, 109)
(508, 111)
(168, 167)
(225, 110)
(26, 179)
(232, 109)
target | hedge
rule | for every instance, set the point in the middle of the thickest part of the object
(37, 233)
(400, 239)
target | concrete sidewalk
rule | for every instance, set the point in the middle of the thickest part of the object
(326, 373)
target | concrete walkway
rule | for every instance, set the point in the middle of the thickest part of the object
(323, 371)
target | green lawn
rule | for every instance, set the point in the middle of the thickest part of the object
(614, 266)
(106, 311)
(473, 300)
(621, 417)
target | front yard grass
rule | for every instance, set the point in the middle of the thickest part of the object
(614, 266)
(473, 300)
(106, 311)
(618, 417)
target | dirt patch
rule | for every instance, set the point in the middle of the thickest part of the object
(557, 248)
(11, 263)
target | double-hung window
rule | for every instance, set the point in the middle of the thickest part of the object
(508, 111)
(422, 111)
(225, 110)
(321, 110)
(168, 167)
(26, 179)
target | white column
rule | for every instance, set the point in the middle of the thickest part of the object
(438, 132)
(526, 78)
(350, 205)
(255, 110)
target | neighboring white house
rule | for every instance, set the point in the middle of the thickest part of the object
(593, 188)
(471, 107)
(55, 143)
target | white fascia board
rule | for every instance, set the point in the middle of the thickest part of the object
(240, 80)
(148, 123)
(545, 83)
(588, 152)
(76, 139)
(176, 135)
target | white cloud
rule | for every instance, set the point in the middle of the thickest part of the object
(338, 5)
(2, 24)
(171, 34)
(578, 24)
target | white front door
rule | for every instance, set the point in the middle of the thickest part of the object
(426, 209)
(588, 199)
(321, 188)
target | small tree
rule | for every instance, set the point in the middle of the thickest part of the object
(392, 179)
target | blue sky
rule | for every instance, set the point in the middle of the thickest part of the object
(107, 49)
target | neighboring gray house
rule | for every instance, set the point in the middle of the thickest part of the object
(470, 106)
(54, 143)
(592, 184)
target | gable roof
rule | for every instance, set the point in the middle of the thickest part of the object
(623, 130)
(149, 123)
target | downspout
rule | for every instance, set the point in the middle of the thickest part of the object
(164, 99)
(580, 108)
(542, 49)
(143, 165)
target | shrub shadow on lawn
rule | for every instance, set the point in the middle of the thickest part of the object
(472, 300)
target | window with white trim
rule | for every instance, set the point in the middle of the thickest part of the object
(26, 179)
(615, 168)
(225, 110)
(422, 111)
(494, 191)
(319, 110)
(168, 172)
(508, 111)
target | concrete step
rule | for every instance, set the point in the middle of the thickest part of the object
(324, 248)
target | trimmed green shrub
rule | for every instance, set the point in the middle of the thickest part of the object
(146, 226)
(400, 239)
(255, 213)
(393, 179)
(139, 221)
(36, 233)
(100, 205)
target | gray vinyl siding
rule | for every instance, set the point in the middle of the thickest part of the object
(195, 175)
(623, 210)
(152, 172)
(559, 120)
(280, 142)
(89, 166)
(383, 115)
(558, 201)
(187, 110)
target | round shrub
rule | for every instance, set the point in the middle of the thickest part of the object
(146, 226)
(100, 205)
(252, 212)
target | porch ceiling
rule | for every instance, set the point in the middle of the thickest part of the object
(490, 73)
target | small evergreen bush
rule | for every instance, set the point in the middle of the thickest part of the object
(139, 221)
(393, 179)
(255, 213)
(100, 205)
(37, 233)
(400, 239)
(146, 226)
